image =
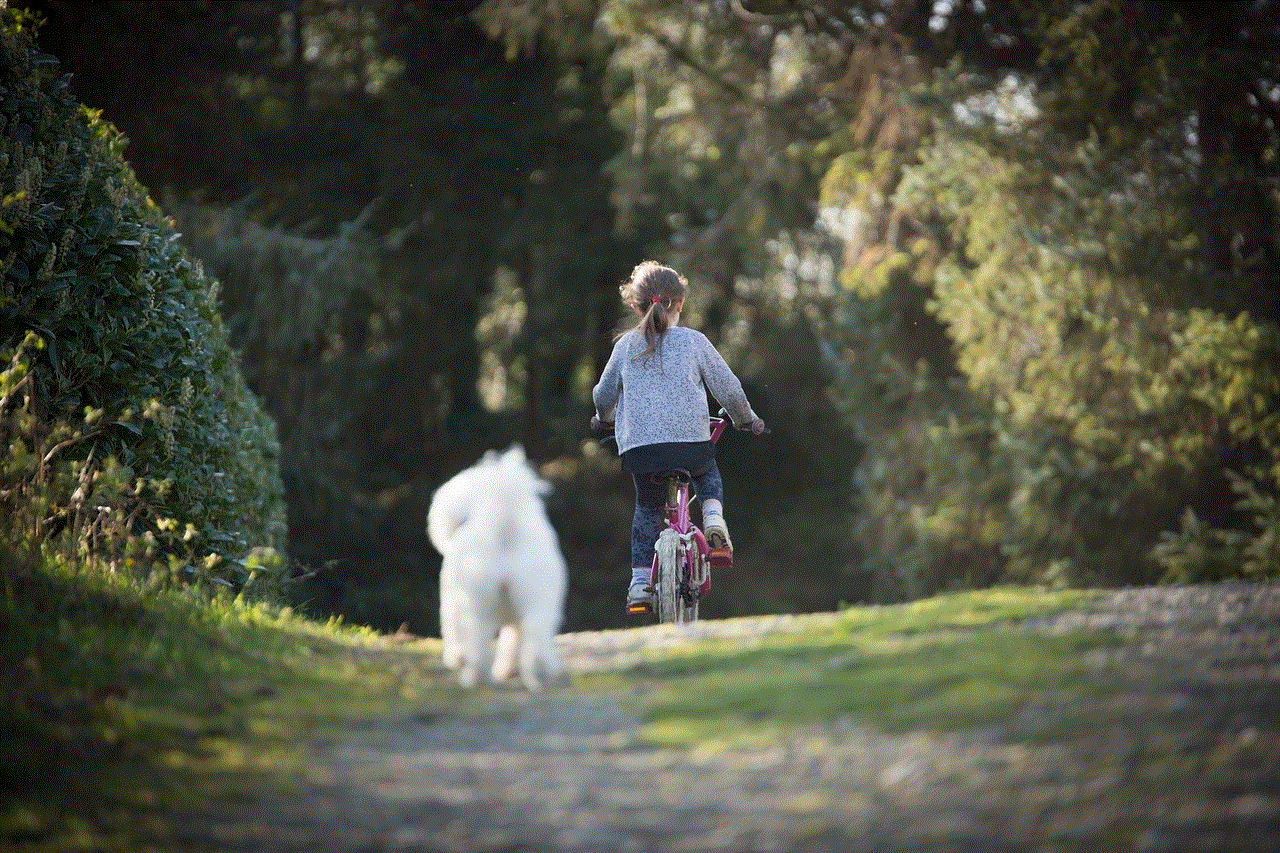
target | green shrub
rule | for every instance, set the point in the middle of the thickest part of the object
(113, 347)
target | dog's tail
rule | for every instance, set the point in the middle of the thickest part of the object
(448, 511)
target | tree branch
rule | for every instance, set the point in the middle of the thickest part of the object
(682, 55)
(61, 446)
(12, 392)
(801, 124)
(758, 17)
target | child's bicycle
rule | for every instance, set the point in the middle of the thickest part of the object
(682, 557)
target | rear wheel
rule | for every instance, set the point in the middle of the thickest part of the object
(687, 606)
(666, 588)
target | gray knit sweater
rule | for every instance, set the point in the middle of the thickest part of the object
(662, 397)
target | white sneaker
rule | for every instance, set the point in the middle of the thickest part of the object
(640, 598)
(719, 547)
(717, 532)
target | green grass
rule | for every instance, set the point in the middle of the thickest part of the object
(124, 703)
(944, 663)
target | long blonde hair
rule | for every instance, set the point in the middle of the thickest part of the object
(653, 291)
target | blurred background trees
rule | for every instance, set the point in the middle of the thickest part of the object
(1003, 277)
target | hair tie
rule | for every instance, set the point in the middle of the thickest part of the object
(656, 300)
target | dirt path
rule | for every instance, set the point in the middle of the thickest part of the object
(1190, 761)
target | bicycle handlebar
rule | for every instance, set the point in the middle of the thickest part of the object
(756, 427)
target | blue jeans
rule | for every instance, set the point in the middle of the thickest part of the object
(651, 497)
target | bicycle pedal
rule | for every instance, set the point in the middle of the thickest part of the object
(639, 609)
(720, 558)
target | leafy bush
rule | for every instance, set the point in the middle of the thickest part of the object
(116, 362)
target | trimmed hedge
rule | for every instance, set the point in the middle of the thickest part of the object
(129, 354)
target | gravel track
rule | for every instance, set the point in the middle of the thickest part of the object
(1189, 762)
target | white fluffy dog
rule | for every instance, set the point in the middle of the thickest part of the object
(502, 571)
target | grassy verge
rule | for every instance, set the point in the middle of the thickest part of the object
(940, 664)
(124, 703)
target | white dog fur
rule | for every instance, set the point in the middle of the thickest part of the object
(502, 572)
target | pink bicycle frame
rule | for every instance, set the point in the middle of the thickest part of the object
(677, 509)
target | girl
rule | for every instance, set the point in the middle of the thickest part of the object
(654, 389)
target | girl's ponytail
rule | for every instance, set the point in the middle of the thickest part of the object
(654, 322)
(652, 291)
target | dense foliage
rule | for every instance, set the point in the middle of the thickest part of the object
(125, 418)
(1044, 261)
(1117, 417)
(1001, 276)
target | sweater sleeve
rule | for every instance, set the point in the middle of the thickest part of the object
(723, 385)
(607, 391)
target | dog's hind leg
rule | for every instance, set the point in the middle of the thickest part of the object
(504, 655)
(451, 653)
(478, 658)
(549, 659)
(538, 657)
(529, 667)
